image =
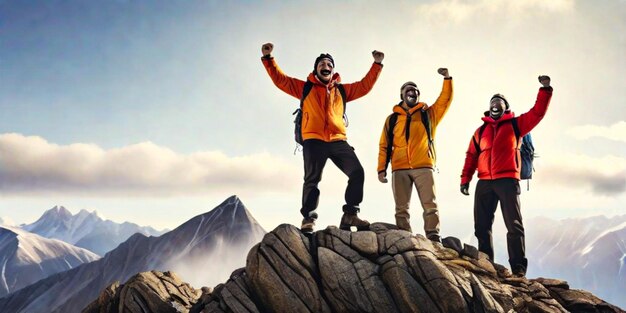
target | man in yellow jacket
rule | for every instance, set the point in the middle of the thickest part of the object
(408, 142)
(323, 131)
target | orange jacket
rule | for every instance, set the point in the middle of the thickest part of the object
(322, 110)
(413, 153)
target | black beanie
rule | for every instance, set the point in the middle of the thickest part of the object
(320, 58)
(500, 96)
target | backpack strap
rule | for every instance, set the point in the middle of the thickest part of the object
(516, 131)
(480, 135)
(391, 124)
(427, 126)
(342, 91)
(305, 92)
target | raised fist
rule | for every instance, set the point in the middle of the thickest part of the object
(443, 71)
(378, 56)
(544, 80)
(382, 177)
(267, 48)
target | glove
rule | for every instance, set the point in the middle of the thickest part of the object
(378, 56)
(266, 49)
(444, 72)
(465, 189)
(544, 80)
(382, 177)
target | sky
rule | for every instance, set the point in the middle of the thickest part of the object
(155, 111)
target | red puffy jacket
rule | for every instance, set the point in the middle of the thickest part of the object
(499, 155)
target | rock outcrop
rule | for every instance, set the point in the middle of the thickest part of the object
(147, 292)
(382, 270)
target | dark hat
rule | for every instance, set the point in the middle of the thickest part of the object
(500, 96)
(407, 84)
(320, 58)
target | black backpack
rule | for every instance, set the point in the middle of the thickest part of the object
(393, 118)
(298, 112)
(527, 149)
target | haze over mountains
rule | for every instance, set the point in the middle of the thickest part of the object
(589, 253)
(229, 228)
(26, 258)
(86, 230)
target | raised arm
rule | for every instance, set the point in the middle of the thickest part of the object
(291, 86)
(361, 88)
(441, 106)
(527, 121)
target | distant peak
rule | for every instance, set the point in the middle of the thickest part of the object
(233, 198)
(83, 212)
(58, 211)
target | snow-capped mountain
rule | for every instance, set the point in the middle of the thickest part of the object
(86, 230)
(26, 258)
(589, 253)
(210, 241)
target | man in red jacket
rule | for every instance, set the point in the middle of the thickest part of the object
(494, 150)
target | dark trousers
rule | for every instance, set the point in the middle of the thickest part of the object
(488, 194)
(315, 153)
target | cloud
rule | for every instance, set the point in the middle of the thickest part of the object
(31, 165)
(462, 10)
(605, 176)
(616, 132)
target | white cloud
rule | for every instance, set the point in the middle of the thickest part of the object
(31, 165)
(462, 10)
(616, 132)
(605, 176)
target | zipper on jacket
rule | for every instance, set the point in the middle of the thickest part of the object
(494, 127)
(407, 134)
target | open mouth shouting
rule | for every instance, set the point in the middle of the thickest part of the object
(496, 107)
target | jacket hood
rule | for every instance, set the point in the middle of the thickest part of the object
(399, 109)
(507, 115)
(336, 79)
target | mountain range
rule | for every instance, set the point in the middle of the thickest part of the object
(229, 226)
(86, 230)
(26, 258)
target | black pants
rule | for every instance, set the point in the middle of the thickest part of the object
(315, 153)
(486, 197)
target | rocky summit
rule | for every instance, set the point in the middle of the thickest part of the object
(381, 270)
(147, 292)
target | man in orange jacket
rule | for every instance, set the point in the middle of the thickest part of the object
(410, 147)
(494, 151)
(324, 132)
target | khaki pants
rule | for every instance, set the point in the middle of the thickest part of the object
(402, 183)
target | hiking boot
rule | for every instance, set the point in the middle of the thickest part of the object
(351, 219)
(434, 237)
(307, 225)
(519, 273)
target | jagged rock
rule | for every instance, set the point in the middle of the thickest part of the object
(381, 270)
(146, 292)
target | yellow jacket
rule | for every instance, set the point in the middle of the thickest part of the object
(414, 152)
(322, 110)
